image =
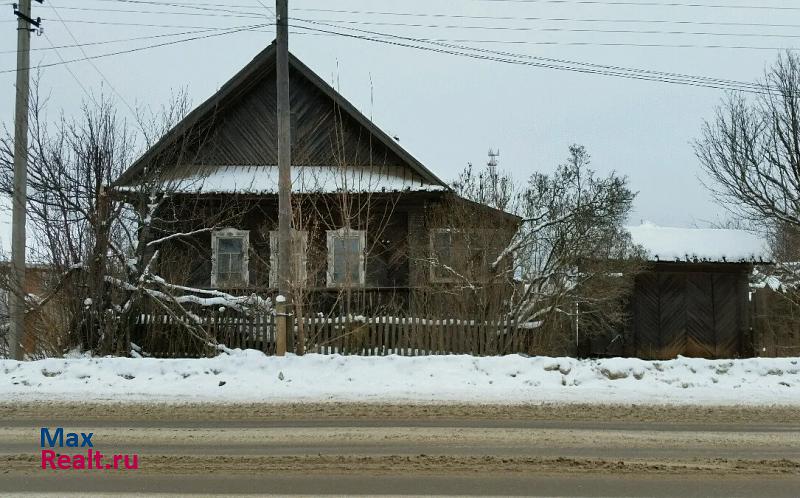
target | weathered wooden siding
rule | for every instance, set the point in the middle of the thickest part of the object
(242, 132)
(188, 259)
(700, 324)
(398, 245)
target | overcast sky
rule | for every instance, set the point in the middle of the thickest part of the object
(448, 110)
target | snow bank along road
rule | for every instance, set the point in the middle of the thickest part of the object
(239, 376)
(577, 450)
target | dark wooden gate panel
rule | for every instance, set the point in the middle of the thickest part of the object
(672, 304)
(728, 325)
(690, 312)
(646, 316)
(700, 334)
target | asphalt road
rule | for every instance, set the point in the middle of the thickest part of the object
(364, 485)
(364, 454)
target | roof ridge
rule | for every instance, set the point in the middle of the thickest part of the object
(243, 76)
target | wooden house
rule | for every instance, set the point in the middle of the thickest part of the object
(693, 298)
(374, 228)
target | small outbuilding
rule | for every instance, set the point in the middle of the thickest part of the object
(693, 299)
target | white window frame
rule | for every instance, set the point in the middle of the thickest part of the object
(362, 244)
(300, 236)
(230, 233)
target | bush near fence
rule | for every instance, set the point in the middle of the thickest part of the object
(775, 322)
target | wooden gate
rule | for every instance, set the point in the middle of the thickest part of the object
(698, 311)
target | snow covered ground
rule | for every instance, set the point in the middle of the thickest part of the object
(251, 376)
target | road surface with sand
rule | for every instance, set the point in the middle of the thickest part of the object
(578, 450)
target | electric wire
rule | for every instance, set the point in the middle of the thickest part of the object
(118, 40)
(91, 62)
(559, 29)
(69, 69)
(606, 44)
(254, 27)
(563, 61)
(451, 47)
(548, 19)
(647, 4)
(559, 64)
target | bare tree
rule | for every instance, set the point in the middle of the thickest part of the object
(353, 195)
(102, 246)
(571, 254)
(750, 150)
(488, 187)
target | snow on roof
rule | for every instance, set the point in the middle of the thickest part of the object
(305, 179)
(699, 244)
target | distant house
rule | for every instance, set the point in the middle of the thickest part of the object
(693, 298)
(369, 218)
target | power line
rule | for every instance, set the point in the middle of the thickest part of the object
(254, 27)
(512, 28)
(192, 5)
(570, 30)
(579, 43)
(143, 25)
(91, 62)
(239, 14)
(583, 44)
(118, 40)
(442, 46)
(213, 7)
(559, 64)
(562, 61)
(78, 81)
(610, 44)
(213, 11)
(161, 12)
(551, 19)
(272, 12)
(648, 4)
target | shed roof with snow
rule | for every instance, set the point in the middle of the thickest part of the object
(700, 245)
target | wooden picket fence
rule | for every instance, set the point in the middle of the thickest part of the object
(169, 336)
(166, 336)
(410, 336)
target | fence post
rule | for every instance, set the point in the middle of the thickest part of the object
(281, 322)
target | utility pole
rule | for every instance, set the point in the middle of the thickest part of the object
(16, 298)
(284, 162)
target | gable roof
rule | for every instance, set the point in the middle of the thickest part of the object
(211, 155)
(699, 245)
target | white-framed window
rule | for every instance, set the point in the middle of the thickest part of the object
(346, 257)
(230, 262)
(299, 261)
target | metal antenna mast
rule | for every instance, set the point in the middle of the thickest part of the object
(492, 164)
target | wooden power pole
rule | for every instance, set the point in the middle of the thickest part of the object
(284, 162)
(16, 298)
